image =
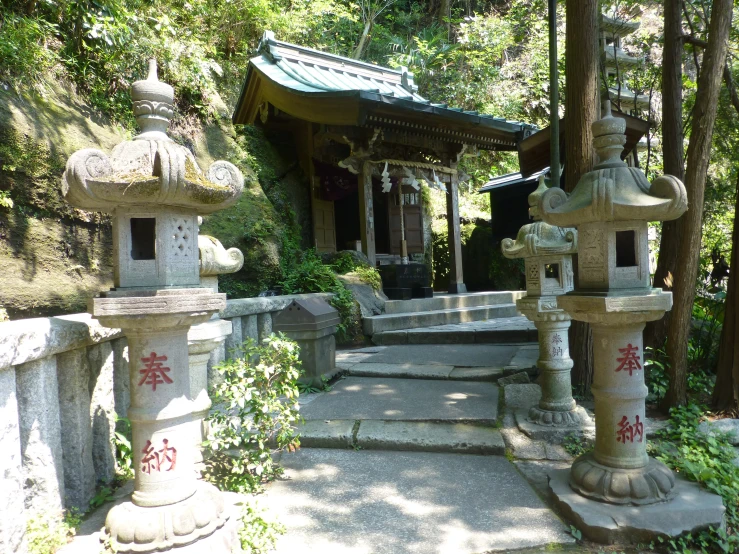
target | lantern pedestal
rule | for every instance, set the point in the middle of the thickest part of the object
(619, 470)
(556, 408)
(169, 507)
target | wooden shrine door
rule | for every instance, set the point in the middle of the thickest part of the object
(324, 227)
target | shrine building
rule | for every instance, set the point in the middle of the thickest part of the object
(365, 138)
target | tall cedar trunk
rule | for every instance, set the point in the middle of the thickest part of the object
(444, 12)
(581, 110)
(726, 391)
(699, 153)
(672, 140)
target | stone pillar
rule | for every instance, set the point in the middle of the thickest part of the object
(74, 403)
(12, 520)
(264, 324)
(366, 212)
(41, 436)
(456, 277)
(202, 340)
(556, 407)
(102, 410)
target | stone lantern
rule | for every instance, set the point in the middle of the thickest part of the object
(610, 207)
(154, 190)
(547, 252)
(204, 338)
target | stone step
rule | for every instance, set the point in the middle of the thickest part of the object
(494, 331)
(450, 301)
(414, 320)
(365, 398)
(405, 436)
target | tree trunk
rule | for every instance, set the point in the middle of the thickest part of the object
(443, 13)
(726, 392)
(581, 110)
(360, 47)
(672, 140)
(699, 153)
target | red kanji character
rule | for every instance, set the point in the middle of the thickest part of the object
(625, 431)
(630, 361)
(639, 429)
(154, 373)
(167, 454)
(150, 460)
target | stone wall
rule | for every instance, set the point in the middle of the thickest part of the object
(63, 382)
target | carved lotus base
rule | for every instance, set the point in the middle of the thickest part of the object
(132, 528)
(570, 418)
(648, 485)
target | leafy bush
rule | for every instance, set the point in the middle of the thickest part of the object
(576, 445)
(258, 535)
(47, 532)
(24, 48)
(256, 405)
(311, 275)
(369, 275)
(707, 459)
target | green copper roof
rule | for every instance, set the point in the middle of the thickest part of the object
(309, 72)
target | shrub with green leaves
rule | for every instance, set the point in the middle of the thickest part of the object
(369, 275)
(258, 533)
(255, 407)
(709, 460)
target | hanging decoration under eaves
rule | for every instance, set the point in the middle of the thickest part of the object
(385, 178)
(410, 179)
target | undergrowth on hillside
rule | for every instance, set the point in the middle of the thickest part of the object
(709, 460)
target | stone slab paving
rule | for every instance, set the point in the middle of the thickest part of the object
(347, 502)
(401, 370)
(466, 355)
(406, 399)
(414, 436)
(338, 433)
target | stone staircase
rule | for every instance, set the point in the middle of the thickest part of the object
(479, 317)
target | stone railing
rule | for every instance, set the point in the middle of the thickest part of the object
(63, 382)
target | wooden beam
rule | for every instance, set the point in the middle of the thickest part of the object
(456, 277)
(366, 212)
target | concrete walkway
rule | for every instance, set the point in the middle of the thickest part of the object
(405, 455)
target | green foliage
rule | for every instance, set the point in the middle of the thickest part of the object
(256, 405)
(344, 263)
(47, 532)
(102, 495)
(369, 275)
(308, 275)
(123, 452)
(258, 534)
(5, 200)
(24, 48)
(314, 386)
(657, 379)
(708, 460)
(576, 445)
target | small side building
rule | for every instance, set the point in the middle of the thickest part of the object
(364, 138)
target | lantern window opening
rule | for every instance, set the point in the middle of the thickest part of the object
(143, 238)
(626, 248)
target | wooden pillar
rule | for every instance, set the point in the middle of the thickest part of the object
(456, 279)
(367, 212)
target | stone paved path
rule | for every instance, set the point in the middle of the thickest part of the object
(391, 458)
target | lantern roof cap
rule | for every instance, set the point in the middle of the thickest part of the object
(613, 191)
(151, 169)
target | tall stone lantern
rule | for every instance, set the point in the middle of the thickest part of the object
(154, 190)
(610, 207)
(547, 252)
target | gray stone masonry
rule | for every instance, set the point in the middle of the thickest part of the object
(40, 434)
(102, 410)
(74, 404)
(12, 520)
(121, 379)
